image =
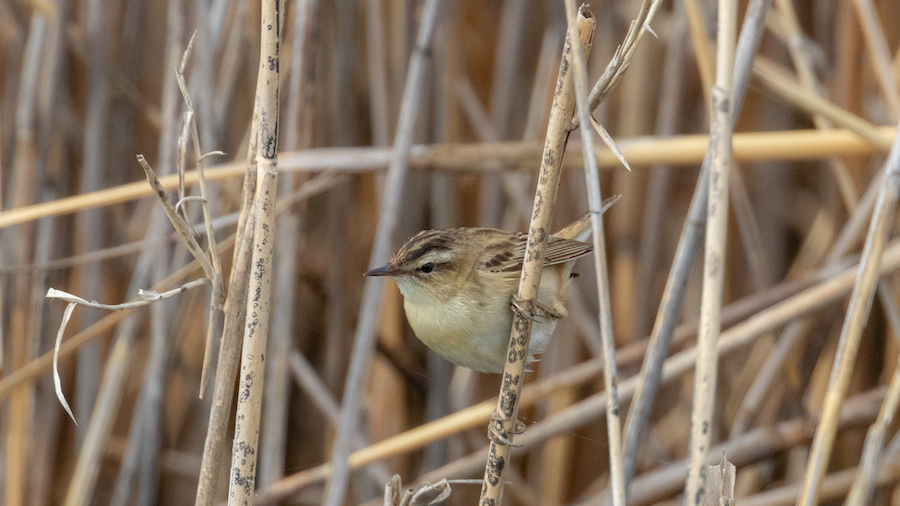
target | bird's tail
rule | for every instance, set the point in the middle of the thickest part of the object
(580, 229)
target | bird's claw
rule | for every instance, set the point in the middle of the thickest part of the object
(517, 308)
(494, 434)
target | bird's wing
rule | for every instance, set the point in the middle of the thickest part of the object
(558, 251)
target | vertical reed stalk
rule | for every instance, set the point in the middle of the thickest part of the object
(688, 243)
(250, 393)
(706, 373)
(364, 340)
(595, 199)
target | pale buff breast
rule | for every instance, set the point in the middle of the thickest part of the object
(475, 335)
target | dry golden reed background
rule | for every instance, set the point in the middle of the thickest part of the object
(88, 85)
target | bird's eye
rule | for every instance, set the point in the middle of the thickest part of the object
(427, 268)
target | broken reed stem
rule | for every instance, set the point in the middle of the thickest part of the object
(595, 203)
(184, 228)
(720, 480)
(504, 420)
(622, 57)
(851, 333)
(364, 339)
(249, 399)
(706, 373)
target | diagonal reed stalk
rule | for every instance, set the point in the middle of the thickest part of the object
(851, 333)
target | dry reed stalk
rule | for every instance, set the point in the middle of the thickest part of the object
(694, 225)
(827, 289)
(595, 199)
(660, 181)
(754, 446)
(504, 420)
(93, 172)
(249, 399)
(720, 483)
(773, 79)
(680, 150)
(26, 178)
(824, 292)
(234, 320)
(880, 54)
(834, 487)
(861, 492)
(216, 297)
(793, 332)
(706, 374)
(364, 339)
(297, 133)
(857, 314)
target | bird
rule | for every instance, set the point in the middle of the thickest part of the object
(458, 287)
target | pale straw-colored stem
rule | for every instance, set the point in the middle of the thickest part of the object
(851, 333)
(706, 373)
(504, 419)
(880, 54)
(466, 158)
(364, 340)
(249, 400)
(595, 202)
(861, 493)
(826, 291)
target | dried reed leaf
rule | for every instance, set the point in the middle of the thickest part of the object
(610, 142)
(57, 384)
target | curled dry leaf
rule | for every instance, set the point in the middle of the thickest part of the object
(57, 384)
(431, 494)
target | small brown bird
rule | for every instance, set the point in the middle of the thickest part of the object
(458, 285)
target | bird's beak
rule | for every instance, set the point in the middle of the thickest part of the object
(384, 270)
